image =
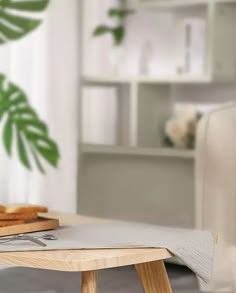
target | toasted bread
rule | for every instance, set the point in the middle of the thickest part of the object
(25, 209)
(2, 208)
(18, 216)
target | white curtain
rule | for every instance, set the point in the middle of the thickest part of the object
(45, 64)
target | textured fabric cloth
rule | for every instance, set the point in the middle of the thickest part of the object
(194, 248)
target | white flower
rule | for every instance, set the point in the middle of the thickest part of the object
(181, 129)
(176, 130)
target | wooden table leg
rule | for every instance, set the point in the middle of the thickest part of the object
(153, 277)
(89, 282)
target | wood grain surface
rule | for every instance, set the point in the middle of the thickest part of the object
(40, 224)
(153, 277)
(89, 282)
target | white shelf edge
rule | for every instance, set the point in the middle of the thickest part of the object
(136, 151)
(168, 4)
(114, 80)
(184, 79)
(106, 79)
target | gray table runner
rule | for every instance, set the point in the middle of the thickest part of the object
(194, 248)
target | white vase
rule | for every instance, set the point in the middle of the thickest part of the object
(116, 59)
(146, 58)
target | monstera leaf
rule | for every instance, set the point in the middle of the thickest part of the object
(15, 21)
(24, 129)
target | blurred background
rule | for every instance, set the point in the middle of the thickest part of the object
(140, 97)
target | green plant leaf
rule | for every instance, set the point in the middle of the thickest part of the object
(46, 147)
(101, 30)
(8, 135)
(33, 125)
(13, 24)
(23, 156)
(118, 34)
(32, 135)
(37, 160)
(33, 5)
(120, 13)
(25, 112)
(48, 154)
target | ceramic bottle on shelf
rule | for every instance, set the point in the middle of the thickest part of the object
(116, 59)
(146, 57)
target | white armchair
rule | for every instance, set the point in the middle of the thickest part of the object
(216, 190)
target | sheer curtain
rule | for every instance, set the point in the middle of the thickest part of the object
(45, 64)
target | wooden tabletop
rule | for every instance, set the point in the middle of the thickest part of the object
(82, 260)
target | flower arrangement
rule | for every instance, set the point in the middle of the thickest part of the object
(180, 130)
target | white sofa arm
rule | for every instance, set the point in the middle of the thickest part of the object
(216, 188)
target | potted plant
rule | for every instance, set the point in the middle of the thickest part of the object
(23, 128)
(117, 31)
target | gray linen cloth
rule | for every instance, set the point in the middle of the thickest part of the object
(193, 248)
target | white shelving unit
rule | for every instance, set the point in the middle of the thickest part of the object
(220, 57)
(138, 178)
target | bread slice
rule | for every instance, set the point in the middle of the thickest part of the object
(11, 223)
(2, 208)
(14, 209)
(18, 216)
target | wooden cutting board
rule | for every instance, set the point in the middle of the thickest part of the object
(36, 225)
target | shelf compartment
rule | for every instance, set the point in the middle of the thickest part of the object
(136, 151)
(138, 184)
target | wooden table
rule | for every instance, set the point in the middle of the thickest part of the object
(148, 262)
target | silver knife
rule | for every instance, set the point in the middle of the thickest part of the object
(22, 237)
(30, 238)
